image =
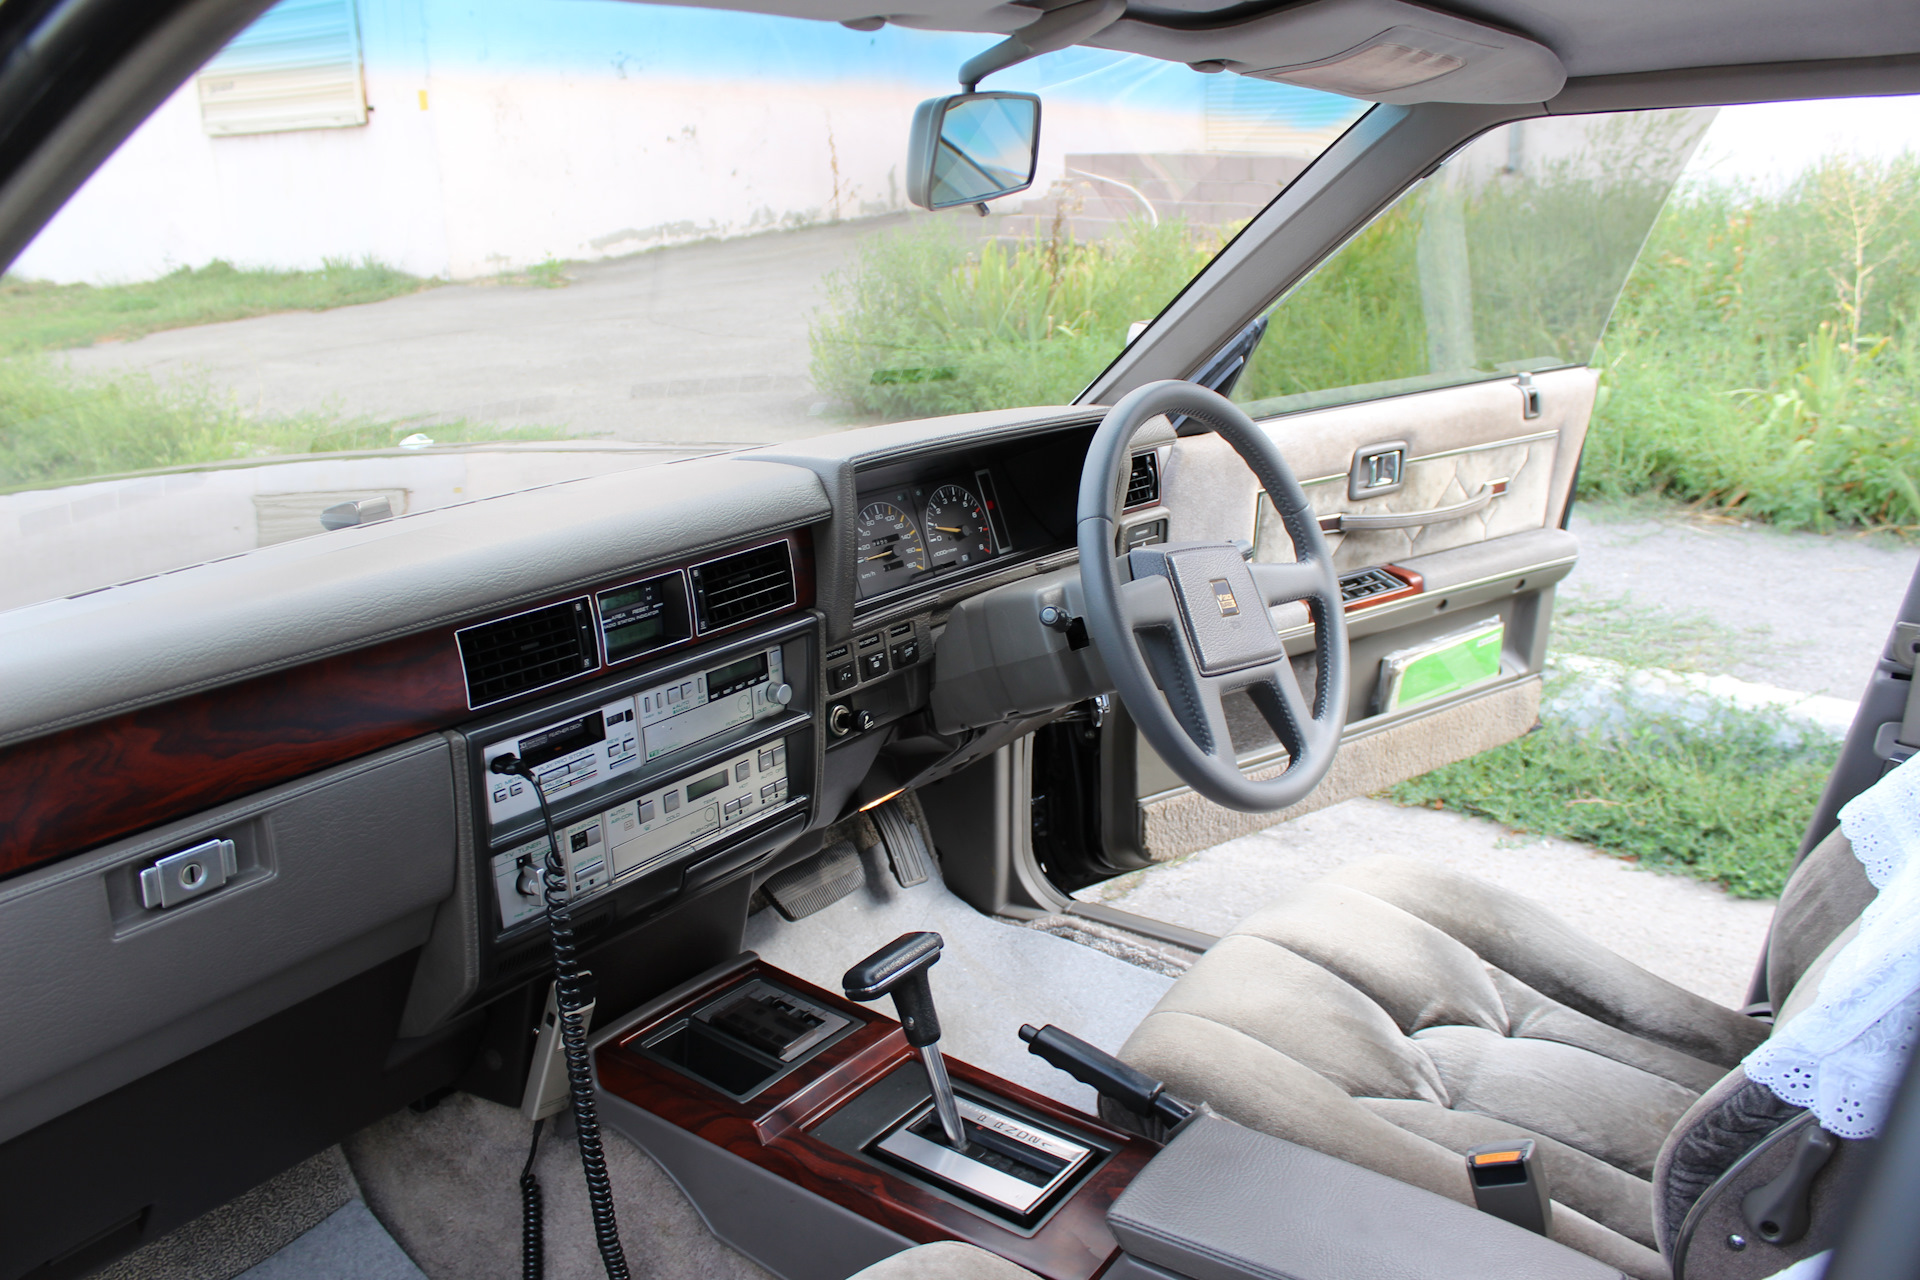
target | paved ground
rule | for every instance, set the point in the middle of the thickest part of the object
(700, 343)
(1805, 612)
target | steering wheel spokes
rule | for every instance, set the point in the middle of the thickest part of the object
(1181, 627)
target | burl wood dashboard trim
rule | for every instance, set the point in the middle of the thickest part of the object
(74, 790)
(771, 1130)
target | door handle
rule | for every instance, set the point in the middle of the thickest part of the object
(1351, 522)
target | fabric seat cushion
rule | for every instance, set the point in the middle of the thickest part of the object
(1397, 1012)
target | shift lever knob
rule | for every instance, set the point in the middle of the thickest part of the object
(899, 969)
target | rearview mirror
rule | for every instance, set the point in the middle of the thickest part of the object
(972, 147)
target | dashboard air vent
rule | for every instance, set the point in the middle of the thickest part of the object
(1143, 485)
(527, 651)
(737, 587)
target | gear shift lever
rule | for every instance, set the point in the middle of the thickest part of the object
(899, 969)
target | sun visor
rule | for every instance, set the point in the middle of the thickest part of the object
(1379, 50)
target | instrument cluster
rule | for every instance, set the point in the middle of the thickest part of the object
(910, 532)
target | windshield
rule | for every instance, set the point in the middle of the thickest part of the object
(365, 240)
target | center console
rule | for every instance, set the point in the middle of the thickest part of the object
(804, 1128)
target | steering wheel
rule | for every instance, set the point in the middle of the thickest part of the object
(1181, 625)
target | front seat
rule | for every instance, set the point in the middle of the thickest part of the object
(1396, 1013)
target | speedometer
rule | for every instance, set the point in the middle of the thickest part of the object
(956, 526)
(890, 551)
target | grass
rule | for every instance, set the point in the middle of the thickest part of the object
(1724, 798)
(56, 428)
(38, 316)
(1637, 638)
(59, 428)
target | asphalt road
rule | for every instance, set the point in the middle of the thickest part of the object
(703, 343)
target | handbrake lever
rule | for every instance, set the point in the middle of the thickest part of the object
(1133, 1089)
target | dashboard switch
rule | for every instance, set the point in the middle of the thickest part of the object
(842, 678)
(873, 665)
(906, 653)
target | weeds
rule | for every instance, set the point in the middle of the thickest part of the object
(933, 321)
(37, 316)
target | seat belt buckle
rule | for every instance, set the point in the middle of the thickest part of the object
(1509, 1183)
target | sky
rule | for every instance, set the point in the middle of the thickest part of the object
(1769, 144)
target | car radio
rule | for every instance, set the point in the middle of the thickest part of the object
(654, 769)
(646, 830)
(599, 747)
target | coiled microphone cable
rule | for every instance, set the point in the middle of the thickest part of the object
(570, 996)
(532, 1232)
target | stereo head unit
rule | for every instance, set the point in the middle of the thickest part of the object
(649, 769)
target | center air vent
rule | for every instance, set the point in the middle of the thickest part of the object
(735, 588)
(527, 651)
(1143, 484)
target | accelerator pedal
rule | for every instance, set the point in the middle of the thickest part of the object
(817, 883)
(905, 843)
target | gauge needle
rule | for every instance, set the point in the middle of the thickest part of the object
(940, 528)
(882, 556)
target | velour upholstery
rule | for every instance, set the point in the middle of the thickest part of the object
(945, 1260)
(1826, 894)
(1396, 1013)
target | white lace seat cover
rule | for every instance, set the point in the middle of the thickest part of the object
(1843, 1055)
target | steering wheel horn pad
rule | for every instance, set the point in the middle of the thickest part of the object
(1180, 627)
(1226, 623)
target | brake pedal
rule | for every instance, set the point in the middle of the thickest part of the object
(817, 883)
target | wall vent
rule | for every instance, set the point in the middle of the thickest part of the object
(528, 651)
(1143, 483)
(738, 587)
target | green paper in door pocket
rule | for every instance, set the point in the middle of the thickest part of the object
(1440, 667)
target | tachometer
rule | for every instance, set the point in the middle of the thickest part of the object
(890, 550)
(956, 525)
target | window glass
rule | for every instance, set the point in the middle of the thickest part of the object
(1508, 258)
(426, 251)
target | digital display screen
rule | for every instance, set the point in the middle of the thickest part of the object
(736, 676)
(643, 617)
(562, 740)
(706, 786)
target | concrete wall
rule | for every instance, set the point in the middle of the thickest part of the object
(507, 132)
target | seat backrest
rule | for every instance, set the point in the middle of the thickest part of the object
(1739, 1136)
(1826, 893)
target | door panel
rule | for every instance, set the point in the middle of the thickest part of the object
(1500, 561)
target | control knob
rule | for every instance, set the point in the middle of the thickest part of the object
(780, 695)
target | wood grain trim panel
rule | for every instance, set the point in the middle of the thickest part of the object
(79, 788)
(771, 1132)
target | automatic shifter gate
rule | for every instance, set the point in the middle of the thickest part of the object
(1008, 1162)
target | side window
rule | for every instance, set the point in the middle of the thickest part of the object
(1507, 258)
